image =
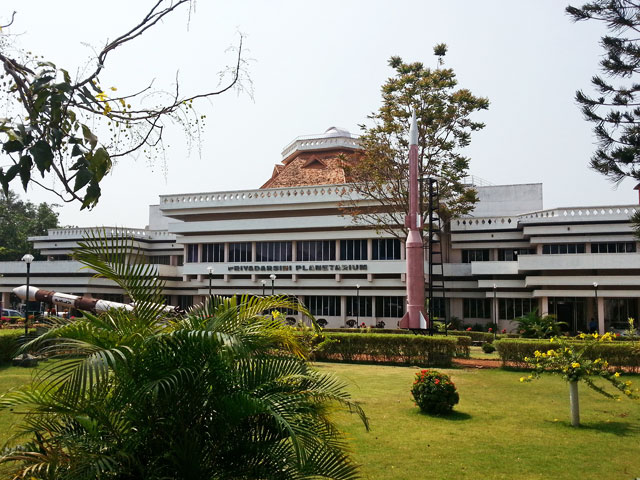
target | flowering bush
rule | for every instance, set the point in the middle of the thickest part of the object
(434, 392)
(575, 363)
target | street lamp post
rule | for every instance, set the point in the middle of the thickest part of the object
(357, 304)
(210, 270)
(495, 312)
(264, 283)
(28, 258)
(273, 283)
(595, 289)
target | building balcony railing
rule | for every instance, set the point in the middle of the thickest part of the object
(82, 232)
(581, 261)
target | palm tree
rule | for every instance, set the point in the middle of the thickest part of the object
(222, 392)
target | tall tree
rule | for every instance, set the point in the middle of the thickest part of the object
(20, 220)
(444, 127)
(70, 131)
(614, 109)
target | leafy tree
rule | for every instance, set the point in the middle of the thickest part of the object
(224, 391)
(20, 220)
(444, 127)
(614, 109)
(71, 130)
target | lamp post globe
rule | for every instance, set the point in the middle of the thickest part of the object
(273, 283)
(28, 258)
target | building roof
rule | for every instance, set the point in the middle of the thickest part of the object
(316, 159)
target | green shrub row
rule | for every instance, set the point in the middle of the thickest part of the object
(9, 342)
(618, 354)
(436, 351)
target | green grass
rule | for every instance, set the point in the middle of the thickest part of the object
(501, 429)
(477, 352)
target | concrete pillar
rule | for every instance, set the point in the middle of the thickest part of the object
(403, 250)
(369, 249)
(253, 252)
(543, 306)
(343, 309)
(199, 253)
(338, 250)
(601, 315)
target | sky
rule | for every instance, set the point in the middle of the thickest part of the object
(314, 65)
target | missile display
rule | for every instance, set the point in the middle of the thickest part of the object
(415, 318)
(74, 301)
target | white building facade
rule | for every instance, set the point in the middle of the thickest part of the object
(509, 258)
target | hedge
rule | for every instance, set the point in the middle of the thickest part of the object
(618, 354)
(463, 348)
(9, 342)
(436, 351)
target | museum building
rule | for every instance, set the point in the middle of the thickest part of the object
(291, 236)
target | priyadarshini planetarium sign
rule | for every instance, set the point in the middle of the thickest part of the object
(297, 268)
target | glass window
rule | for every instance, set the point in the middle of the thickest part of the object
(563, 248)
(323, 305)
(353, 250)
(619, 247)
(192, 253)
(160, 260)
(315, 250)
(213, 252)
(511, 254)
(476, 308)
(476, 255)
(273, 252)
(386, 249)
(510, 308)
(240, 252)
(362, 310)
(438, 308)
(390, 307)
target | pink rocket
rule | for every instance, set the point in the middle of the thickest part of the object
(415, 318)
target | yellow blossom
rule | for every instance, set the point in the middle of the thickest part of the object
(101, 96)
(617, 374)
(628, 383)
(522, 379)
(537, 353)
(575, 365)
(113, 89)
(627, 392)
(551, 340)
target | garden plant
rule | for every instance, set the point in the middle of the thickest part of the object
(575, 363)
(434, 392)
(223, 391)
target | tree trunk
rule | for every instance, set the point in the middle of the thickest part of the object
(575, 405)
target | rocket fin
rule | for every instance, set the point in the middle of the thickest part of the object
(423, 322)
(405, 322)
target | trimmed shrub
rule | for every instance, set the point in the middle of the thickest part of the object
(481, 337)
(9, 343)
(488, 347)
(618, 354)
(434, 392)
(390, 349)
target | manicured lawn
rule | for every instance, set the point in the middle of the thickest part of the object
(501, 429)
(477, 352)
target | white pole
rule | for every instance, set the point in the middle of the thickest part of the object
(575, 405)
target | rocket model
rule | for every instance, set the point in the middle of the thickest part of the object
(415, 318)
(74, 301)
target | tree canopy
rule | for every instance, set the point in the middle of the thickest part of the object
(614, 108)
(64, 132)
(20, 220)
(444, 119)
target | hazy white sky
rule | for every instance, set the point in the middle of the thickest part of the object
(318, 64)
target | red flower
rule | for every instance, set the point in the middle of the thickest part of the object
(437, 381)
(468, 329)
(490, 329)
(504, 330)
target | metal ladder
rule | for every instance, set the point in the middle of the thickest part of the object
(436, 276)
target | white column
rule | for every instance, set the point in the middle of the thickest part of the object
(543, 306)
(343, 309)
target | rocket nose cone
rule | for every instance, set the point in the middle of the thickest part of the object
(21, 292)
(413, 130)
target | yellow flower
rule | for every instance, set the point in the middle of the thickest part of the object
(617, 374)
(101, 96)
(551, 340)
(537, 353)
(582, 335)
(113, 89)
(597, 360)
(628, 383)
(627, 392)
(575, 365)
(550, 353)
(522, 379)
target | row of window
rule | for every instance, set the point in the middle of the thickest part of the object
(306, 251)
(508, 308)
(511, 254)
(327, 305)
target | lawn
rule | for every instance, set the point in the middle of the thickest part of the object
(501, 429)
